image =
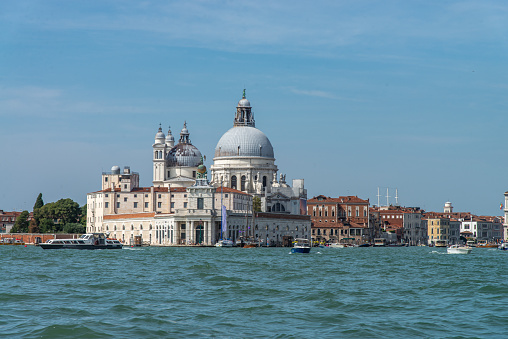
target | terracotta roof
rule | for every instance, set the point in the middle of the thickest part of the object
(129, 216)
(137, 189)
(178, 189)
(340, 200)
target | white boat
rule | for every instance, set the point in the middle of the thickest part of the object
(224, 243)
(301, 246)
(336, 245)
(459, 249)
(503, 246)
(90, 241)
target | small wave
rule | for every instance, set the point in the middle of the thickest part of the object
(67, 331)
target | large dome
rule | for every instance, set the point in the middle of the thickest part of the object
(244, 141)
(184, 155)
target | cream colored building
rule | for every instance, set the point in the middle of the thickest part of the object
(182, 207)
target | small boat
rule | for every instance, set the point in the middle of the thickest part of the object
(503, 246)
(440, 243)
(379, 242)
(11, 241)
(90, 241)
(301, 245)
(336, 245)
(459, 249)
(224, 243)
(485, 244)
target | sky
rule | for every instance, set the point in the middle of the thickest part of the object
(353, 95)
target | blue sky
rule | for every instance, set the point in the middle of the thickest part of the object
(353, 95)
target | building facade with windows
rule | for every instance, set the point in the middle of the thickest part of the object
(183, 207)
(343, 219)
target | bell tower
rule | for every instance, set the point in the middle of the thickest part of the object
(159, 158)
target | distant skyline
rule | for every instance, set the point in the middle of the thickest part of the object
(353, 95)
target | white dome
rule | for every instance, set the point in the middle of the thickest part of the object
(159, 137)
(244, 103)
(244, 141)
(115, 169)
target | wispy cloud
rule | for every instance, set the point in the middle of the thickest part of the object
(53, 103)
(270, 27)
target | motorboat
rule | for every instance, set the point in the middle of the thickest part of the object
(459, 249)
(90, 241)
(224, 243)
(336, 245)
(485, 244)
(11, 241)
(503, 246)
(301, 245)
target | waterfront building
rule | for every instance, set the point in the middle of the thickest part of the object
(413, 231)
(244, 160)
(438, 229)
(8, 219)
(183, 207)
(482, 228)
(342, 219)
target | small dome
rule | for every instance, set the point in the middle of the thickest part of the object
(186, 155)
(244, 141)
(159, 137)
(115, 169)
(244, 103)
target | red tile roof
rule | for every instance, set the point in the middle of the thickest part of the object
(340, 200)
(129, 216)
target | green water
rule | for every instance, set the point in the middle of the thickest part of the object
(257, 292)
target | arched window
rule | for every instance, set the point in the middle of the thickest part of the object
(140, 226)
(264, 181)
(123, 227)
(233, 182)
(115, 227)
(243, 182)
(278, 207)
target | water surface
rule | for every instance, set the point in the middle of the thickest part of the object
(166, 292)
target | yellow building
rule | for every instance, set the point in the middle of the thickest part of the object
(438, 230)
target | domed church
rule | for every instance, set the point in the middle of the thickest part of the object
(244, 160)
(175, 166)
(184, 208)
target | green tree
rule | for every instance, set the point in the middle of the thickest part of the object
(47, 225)
(74, 228)
(67, 211)
(60, 213)
(256, 204)
(33, 227)
(39, 202)
(21, 224)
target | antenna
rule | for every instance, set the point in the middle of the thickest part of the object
(378, 195)
(387, 198)
(396, 197)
